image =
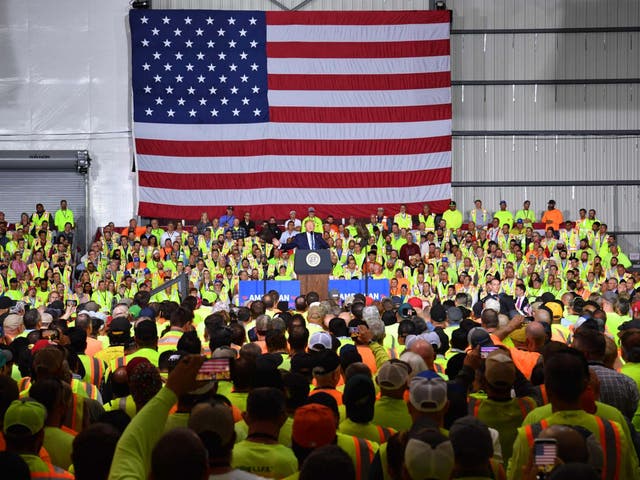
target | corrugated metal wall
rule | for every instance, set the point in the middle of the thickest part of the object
(533, 56)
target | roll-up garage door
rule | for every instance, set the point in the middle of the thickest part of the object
(30, 177)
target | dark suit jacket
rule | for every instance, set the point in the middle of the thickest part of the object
(300, 241)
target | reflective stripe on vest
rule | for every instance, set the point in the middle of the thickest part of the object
(53, 473)
(363, 458)
(610, 441)
(384, 433)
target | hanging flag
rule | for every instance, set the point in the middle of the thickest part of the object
(274, 111)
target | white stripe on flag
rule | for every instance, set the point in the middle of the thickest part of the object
(282, 163)
(357, 98)
(303, 131)
(357, 33)
(357, 66)
(284, 196)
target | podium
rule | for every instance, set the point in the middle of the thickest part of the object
(313, 268)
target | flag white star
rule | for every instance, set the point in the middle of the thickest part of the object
(224, 100)
(170, 112)
(256, 112)
(179, 78)
(231, 20)
(214, 112)
(244, 55)
(155, 31)
(157, 78)
(201, 78)
(188, 44)
(222, 55)
(145, 43)
(200, 56)
(235, 112)
(181, 101)
(192, 113)
(233, 67)
(146, 66)
(210, 43)
(177, 32)
(244, 78)
(191, 90)
(245, 101)
(243, 33)
(144, 19)
(189, 67)
(187, 20)
(221, 33)
(199, 32)
(253, 44)
(203, 101)
(159, 101)
(166, 20)
(232, 44)
(222, 79)
(234, 90)
(156, 55)
(148, 111)
(209, 21)
(179, 56)
(255, 89)
(167, 67)
(253, 21)
(147, 89)
(211, 67)
(213, 90)
(167, 43)
(254, 67)
(169, 89)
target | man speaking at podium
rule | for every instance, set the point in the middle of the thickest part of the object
(308, 240)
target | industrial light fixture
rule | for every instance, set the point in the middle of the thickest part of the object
(441, 5)
(83, 162)
(141, 4)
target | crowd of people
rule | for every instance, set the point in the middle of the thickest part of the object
(508, 347)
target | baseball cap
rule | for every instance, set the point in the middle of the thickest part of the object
(479, 336)
(311, 209)
(556, 309)
(217, 419)
(492, 304)
(415, 302)
(12, 322)
(423, 460)
(477, 451)
(230, 207)
(25, 413)
(393, 374)
(520, 335)
(551, 202)
(454, 314)
(292, 212)
(313, 426)
(325, 361)
(6, 302)
(519, 220)
(5, 357)
(320, 341)
(499, 370)
(359, 398)
(452, 203)
(120, 326)
(146, 331)
(40, 345)
(503, 202)
(406, 311)
(428, 392)
(136, 259)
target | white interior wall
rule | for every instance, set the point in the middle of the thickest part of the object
(65, 69)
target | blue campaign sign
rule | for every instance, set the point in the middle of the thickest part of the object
(377, 289)
(250, 290)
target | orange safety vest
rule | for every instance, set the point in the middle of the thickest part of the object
(609, 440)
(95, 370)
(53, 473)
(385, 433)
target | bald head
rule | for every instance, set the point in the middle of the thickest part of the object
(572, 446)
(535, 333)
(424, 350)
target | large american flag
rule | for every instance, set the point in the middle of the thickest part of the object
(273, 111)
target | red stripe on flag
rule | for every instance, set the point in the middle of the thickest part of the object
(248, 148)
(193, 212)
(420, 113)
(424, 48)
(233, 181)
(405, 81)
(401, 17)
